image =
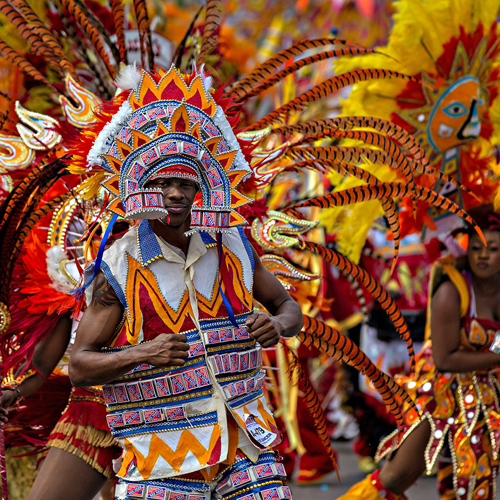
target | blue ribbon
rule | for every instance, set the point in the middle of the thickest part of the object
(98, 260)
(229, 309)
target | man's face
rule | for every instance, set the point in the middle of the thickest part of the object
(179, 195)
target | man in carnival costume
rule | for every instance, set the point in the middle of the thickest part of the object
(169, 329)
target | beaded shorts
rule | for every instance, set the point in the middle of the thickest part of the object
(243, 480)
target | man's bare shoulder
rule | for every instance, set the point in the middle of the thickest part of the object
(103, 294)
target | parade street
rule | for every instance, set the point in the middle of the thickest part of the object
(330, 489)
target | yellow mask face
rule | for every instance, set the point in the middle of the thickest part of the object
(456, 116)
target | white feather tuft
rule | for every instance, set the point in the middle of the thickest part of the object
(129, 77)
(54, 256)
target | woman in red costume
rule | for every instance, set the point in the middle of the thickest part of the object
(81, 448)
(456, 384)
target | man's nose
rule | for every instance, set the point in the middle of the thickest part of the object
(174, 192)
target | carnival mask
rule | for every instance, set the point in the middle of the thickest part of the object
(456, 116)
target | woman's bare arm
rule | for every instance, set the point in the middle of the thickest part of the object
(445, 329)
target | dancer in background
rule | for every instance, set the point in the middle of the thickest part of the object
(455, 385)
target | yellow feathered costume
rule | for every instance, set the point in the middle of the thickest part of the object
(452, 46)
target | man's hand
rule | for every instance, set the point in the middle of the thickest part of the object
(167, 350)
(266, 330)
(8, 398)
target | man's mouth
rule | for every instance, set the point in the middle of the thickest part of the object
(176, 209)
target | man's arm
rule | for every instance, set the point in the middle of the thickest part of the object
(89, 366)
(286, 319)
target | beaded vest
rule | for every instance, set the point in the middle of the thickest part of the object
(173, 421)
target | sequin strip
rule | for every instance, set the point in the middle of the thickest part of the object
(159, 387)
(250, 475)
(234, 362)
(154, 492)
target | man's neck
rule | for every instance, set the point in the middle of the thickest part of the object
(173, 235)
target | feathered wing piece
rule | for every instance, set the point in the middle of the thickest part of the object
(18, 214)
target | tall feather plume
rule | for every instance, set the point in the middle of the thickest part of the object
(326, 88)
(118, 11)
(17, 60)
(82, 51)
(27, 31)
(93, 19)
(377, 291)
(141, 15)
(47, 37)
(313, 404)
(179, 51)
(269, 67)
(90, 30)
(264, 84)
(213, 18)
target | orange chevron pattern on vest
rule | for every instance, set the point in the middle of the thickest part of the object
(175, 458)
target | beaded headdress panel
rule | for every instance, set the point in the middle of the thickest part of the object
(171, 128)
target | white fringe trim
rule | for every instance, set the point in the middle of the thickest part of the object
(221, 122)
(108, 133)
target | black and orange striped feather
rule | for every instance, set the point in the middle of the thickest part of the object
(141, 15)
(269, 67)
(337, 345)
(213, 18)
(17, 60)
(389, 190)
(261, 86)
(91, 31)
(118, 10)
(326, 88)
(313, 404)
(376, 290)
